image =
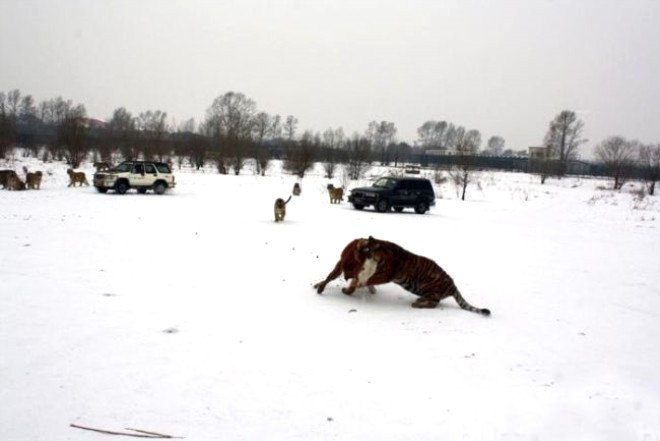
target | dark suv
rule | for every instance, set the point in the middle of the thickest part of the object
(394, 192)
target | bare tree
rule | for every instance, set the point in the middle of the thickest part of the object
(217, 153)
(276, 128)
(399, 152)
(359, 151)
(332, 141)
(540, 162)
(122, 132)
(29, 124)
(381, 135)
(649, 161)
(301, 155)
(229, 122)
(564, 137)
(617, 155)
(7, 127)
(27, 108)
(53, 113)
(263, 128)
(238, 151)
(19, 123)
(433, 135)
(45, 112)
(466, 144)
(152, 130)
(452, 137)
(13, 102)
(290, 126)
(496, 145)
(189, 145)
(72, 135)
(199, 146)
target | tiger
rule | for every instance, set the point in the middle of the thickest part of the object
(102, 165)
(14, 182)
(76, 178)
(4, 177)
(296, 189)
(351, 264)
(384, 262)
(33, 180)
(336, 194)
(280, 208)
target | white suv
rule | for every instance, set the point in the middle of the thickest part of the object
(141, 175)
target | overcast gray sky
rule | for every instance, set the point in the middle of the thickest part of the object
(503, 67)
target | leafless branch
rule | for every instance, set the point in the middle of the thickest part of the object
(139, 434)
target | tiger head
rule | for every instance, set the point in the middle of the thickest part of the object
(369, 249)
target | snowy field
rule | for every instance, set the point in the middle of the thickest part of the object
(193, 313)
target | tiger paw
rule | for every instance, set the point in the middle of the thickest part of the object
(348, 291)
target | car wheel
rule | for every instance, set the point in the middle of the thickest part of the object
(121, 187)
(160, 188)
(101, 189)
(421, 207)
(382, 206)
(358, 206)
(398, 209)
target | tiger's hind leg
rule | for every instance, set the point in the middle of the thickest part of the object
(431, 300)
(425, 302)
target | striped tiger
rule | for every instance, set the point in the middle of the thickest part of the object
(416, 274)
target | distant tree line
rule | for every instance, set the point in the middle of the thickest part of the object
(618, 157)
(234, 132)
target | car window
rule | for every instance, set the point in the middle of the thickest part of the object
(419, 185)
(149, 168)
(163, 168)
(385, 183)
(138, 169)
(123, 167)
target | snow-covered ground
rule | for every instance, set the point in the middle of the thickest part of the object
(193, 313)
